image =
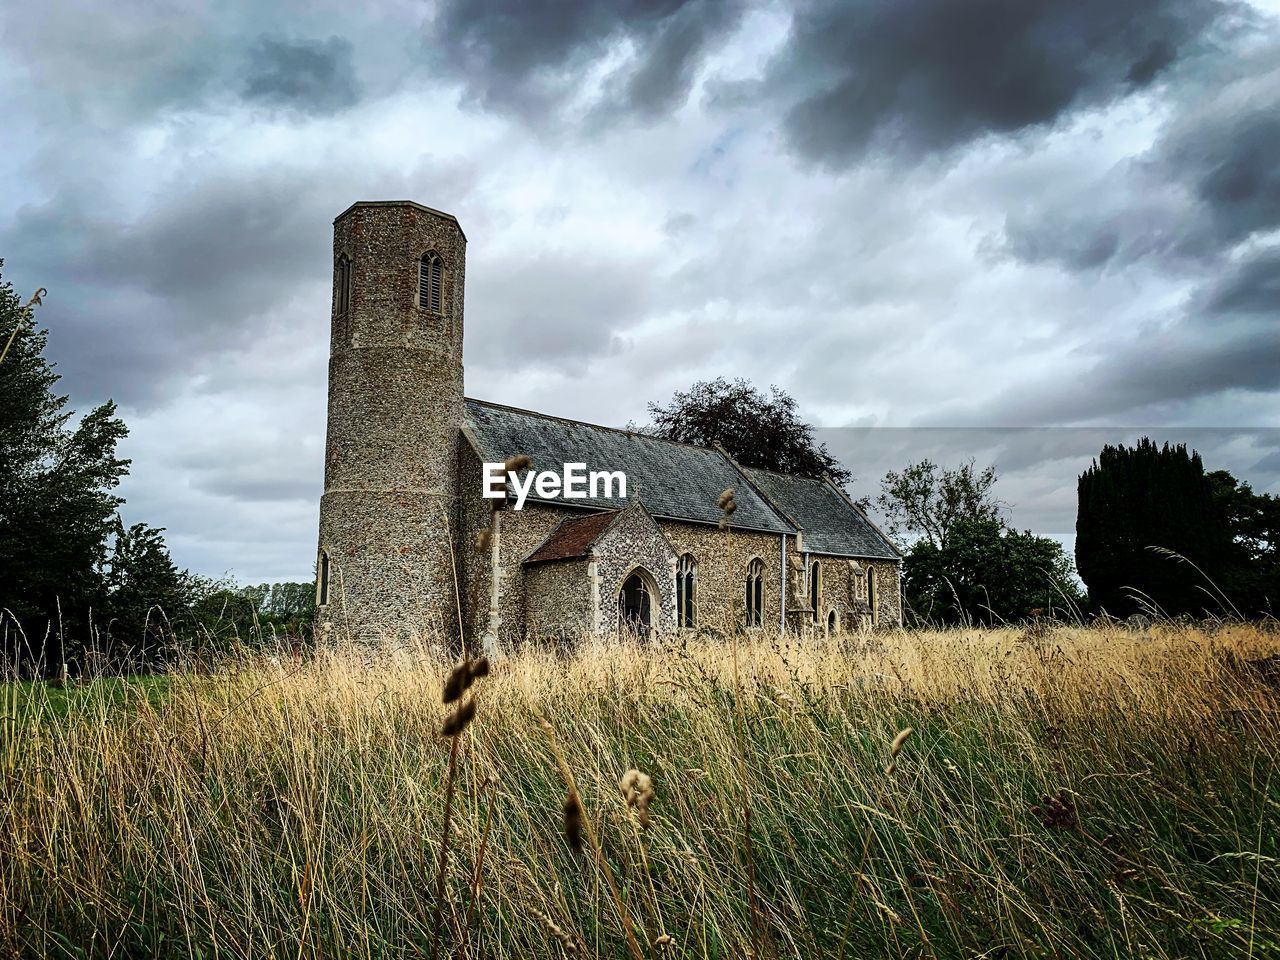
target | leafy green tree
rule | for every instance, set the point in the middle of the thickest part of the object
(985, 572)
(147, 597)
(1150, 532)
(1251, 578)
(758, 430)
(57, 505)
(926, 501)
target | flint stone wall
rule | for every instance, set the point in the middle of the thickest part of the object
(395, 403)
(635, 541)
(558, 605)
(844, 591)
(720, 588)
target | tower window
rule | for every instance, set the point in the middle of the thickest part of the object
(686, 576)
(755, 593)
(815, 587)
(871, 594)
(430, 282)
(322, 580)
(344, 285)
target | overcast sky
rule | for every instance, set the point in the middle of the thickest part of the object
(986, 214)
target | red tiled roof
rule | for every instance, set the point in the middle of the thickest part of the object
(573, 538)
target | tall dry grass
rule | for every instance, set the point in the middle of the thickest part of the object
(1065, 793)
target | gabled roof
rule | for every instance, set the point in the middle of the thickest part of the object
(574, 537)
(677, 481)
(829, 520)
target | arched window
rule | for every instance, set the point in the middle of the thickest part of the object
(755, 593)
(430, 282)
(344, 285)
(322, 580)
(871, 595)
(815, 587)
(686, 577)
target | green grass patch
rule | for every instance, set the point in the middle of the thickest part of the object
(49, 699)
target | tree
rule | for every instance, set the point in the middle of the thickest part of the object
(965, 564)
(286, 606)
(926, 501)
(146, 593)
(57, 506)
(1149, 531)
(757, 430)
(1251, 577)
(985, 572)
(227, 614)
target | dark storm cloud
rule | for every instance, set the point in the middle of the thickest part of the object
(665, 74)
(1251, 288)
(1228, 342)
(139, 303)
(926, 75)
(528, 56)
(1228, 161)
(1208, 182)
(314, 76)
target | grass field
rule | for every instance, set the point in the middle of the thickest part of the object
(1064, 793)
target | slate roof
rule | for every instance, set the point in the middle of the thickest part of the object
(574, 537)
(676, 481)
(830, 523)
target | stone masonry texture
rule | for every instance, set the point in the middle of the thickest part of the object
(395, 405)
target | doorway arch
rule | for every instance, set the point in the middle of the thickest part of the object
(638, 602)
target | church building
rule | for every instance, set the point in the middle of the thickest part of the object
(409, 545)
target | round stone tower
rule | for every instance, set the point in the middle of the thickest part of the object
(385, 568)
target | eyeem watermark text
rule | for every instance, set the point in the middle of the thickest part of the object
(573, 483)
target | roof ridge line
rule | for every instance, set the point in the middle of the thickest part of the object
(840, 492)
(587, 423)
(759, 492)
(783, 473)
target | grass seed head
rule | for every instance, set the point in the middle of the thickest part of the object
(553, 928)
(1057, 812)
(519, 462)
(463, 676)
(483, 539)
(574, 821)
(455, 685)
(637, 790)
(457, 721)
(896, 747)
(899, 740)
(727, 504)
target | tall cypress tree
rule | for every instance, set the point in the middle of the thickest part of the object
(1136, 505)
